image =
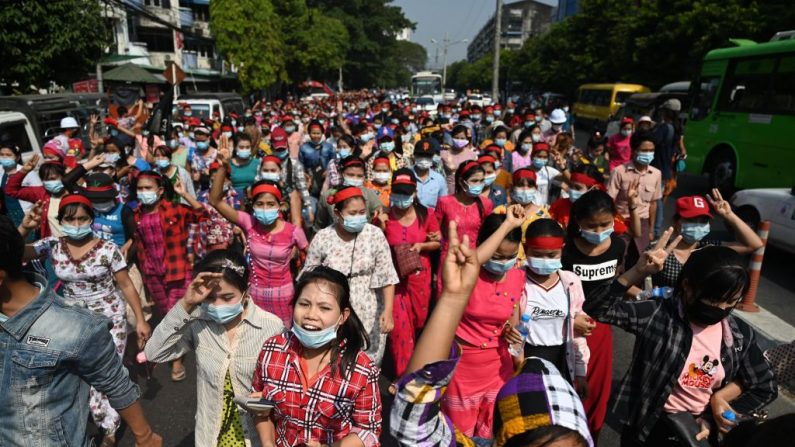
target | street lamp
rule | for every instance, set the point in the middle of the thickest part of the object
(445, 44)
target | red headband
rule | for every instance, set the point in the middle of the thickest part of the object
(540, 147)
(486, 159)
(99, 188)
(524, 173)
(153, 175)
(468, 166)
(266, 188)
(344, 194)
(274, 159)
(404, 179)
(381, 160)
(354, 162)
(584, 179)
(545, 243)
(74, 198)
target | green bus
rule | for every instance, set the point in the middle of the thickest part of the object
(741, 126)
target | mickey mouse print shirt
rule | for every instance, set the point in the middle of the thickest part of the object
(703, 372)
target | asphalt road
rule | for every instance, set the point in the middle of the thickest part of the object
(171, 406)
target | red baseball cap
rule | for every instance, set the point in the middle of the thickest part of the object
(692, 206)
(279, 138)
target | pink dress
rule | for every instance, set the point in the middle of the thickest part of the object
(519, 161)
(468, 217)
(485, 363)
(271, 281)
(619, 150)
(412, 294)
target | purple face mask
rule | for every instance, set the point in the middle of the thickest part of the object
(460, 142)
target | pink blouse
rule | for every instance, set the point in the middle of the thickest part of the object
(468, 218)
(490, 306)
(271, 252)
(397, 233)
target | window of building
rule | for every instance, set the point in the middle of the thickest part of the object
(157, 39)
(160, 3)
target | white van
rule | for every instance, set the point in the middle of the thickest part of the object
(205, 105)
(15, 127)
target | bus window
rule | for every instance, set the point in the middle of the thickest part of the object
(783, 100)
(702, 102)
(747, 86)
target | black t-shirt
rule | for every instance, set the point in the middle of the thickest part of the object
(594, 270)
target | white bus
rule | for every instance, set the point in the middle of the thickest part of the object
(427, 83)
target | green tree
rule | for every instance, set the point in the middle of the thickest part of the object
(244, 34)
(58, 40)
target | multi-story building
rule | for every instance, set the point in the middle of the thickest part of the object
(520, 21)
(150, 33)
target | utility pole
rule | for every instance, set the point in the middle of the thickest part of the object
(495, 78)
(446, 43)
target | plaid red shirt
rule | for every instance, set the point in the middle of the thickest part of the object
(325, 408)
(174, 220)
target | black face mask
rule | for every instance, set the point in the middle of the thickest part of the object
(704, 314)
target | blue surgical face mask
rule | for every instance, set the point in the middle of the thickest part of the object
(543, 266)
(525, 148)
(314, 339)
(163, 163)
(76, 233)
(475, 190)
(405, 138)
(112, 158)
(489, 179)
(595, 238)
(289, 129)
(114, 132)
(475, 117)
(382, 178)
(401, 201)
(53, 186)
(266, 216)
(523, 196)
(536, 137)
(575, 194)
(424, 163)
(437, 159)
(387, 146)
(694, 232)
(366, 137)
(350, 181)
(8, 163)
(147, 197)
(228, 134)
(202, 145)
(497, 112)
(489, 119)
(539, 163)
(344, 152)
(500, 142)
(499, 267)
(272, 176)
(223, 313)
(644, 158)
(354, 224)
(529, 124)
(245, 154)
(282, 154)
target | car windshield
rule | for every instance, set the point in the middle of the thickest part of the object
(424, 101)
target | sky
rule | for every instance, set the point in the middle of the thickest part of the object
(460, 19)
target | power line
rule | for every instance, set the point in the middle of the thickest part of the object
(135, 10)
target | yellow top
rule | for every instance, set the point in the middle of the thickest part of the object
(542, 213)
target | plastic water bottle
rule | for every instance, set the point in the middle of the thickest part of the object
(657, 292)
(729, 416)
(517, 349)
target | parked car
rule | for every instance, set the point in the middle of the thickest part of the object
(475, 99)
(449, 94)
(17, 129)
(427, 104)
(205, 104)
(774, 204)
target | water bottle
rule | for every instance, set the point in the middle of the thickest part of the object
(517, 349)
(657, 292)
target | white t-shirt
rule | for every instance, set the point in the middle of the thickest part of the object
(544, 177)
(548, 310)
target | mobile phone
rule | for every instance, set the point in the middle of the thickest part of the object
(254, 405)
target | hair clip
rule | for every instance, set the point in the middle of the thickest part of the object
(239, 269)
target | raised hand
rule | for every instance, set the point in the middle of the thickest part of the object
(201, 286)
(461, 266)
(31, 163)
(515, 215)
(32, 219)
(722, 207)
(653, 260)
(179, 188)
(633, 195)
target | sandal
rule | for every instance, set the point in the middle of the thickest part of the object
(178, 375)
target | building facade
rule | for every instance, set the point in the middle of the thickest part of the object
(566, 8)
(520, 21)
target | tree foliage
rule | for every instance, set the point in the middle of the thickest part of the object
(59, 40)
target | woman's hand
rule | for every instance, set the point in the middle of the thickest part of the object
(179, 188)
(416, 247)
(718, 405)
(200, 288)
(653, 260)
(583, 325)
(32, 219)
(31, 163)
(510, 334)
(386, 322)
(461, 266)
(722, 207)
(515, 215)
(143, 331)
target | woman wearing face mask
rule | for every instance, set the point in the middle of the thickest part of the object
(691, 221)
(352, 175)
(203, 157)
(360, 250)
(493, 308)
(388, 148)
(346, 146)
(503, 179)
(161, 242)
(244, 165)
(553, 300)
(217, 319)
(175, 174)
(499, 138)
(548, 179)
(524, 193)
(465, 206)
(596, 154)
(407, 222)
(325, 386)
(691, 355)
(493, 192)
(51, 174)
(214, 232)
(272, 244)
(618, 146)
(93, 272)
(381, 177)
(522, 156)
(596, 255)
(452, 157)
(10, 157)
